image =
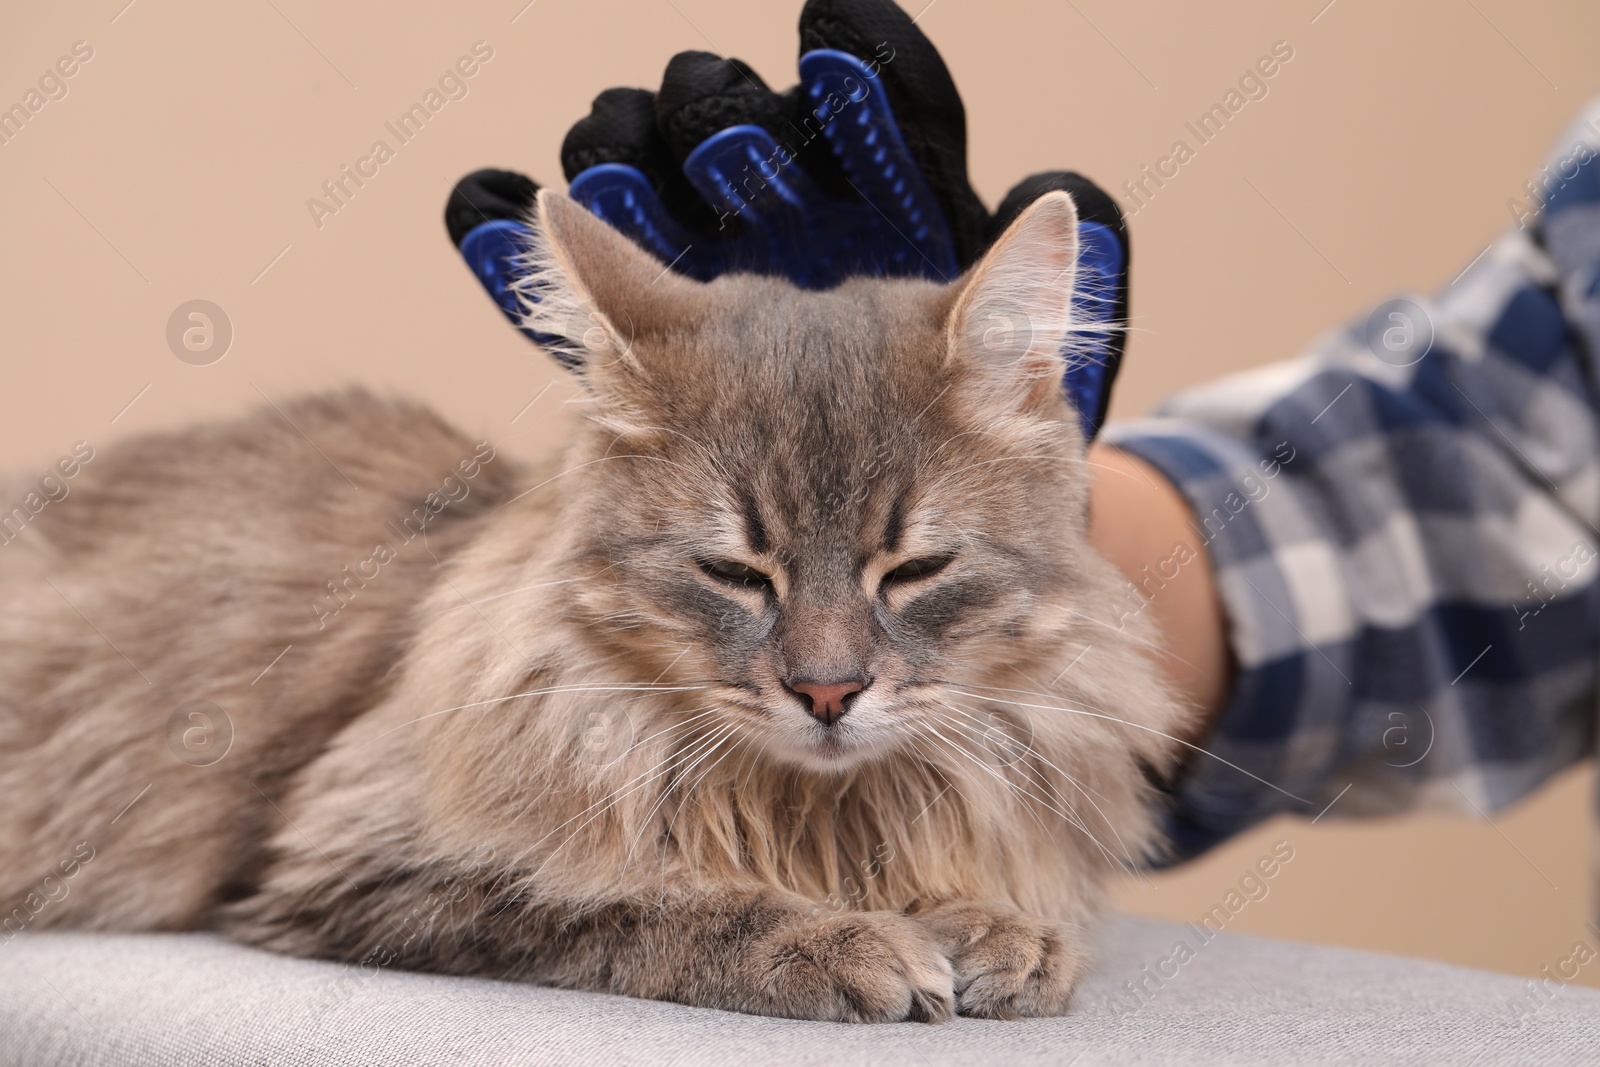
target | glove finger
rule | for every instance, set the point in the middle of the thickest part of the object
(927, 107)
(1088, 387)
(702, 94)
(621, 128)
(485, 195)
(1094, 204)
(804, 143)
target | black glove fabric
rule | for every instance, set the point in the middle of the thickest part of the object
(702, 94)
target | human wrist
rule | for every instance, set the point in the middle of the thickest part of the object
(1143, 526)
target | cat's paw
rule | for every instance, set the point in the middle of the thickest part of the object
(859, 967)
(1007, 964)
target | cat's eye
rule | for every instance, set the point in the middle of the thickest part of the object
(735, 573)
(918, 568)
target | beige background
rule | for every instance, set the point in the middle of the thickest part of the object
(180, 162)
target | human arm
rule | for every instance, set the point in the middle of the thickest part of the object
(1402, 530)
(1137, 520)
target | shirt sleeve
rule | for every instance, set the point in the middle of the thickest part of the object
(1403, 530)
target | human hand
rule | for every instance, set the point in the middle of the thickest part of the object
(859, 169)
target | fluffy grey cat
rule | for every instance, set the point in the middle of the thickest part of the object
(782, 695)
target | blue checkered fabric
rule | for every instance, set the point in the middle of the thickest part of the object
(1403, 529)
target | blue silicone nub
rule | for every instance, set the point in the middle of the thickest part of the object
(489, 250)
(901, 229)
(777, 220)
(1094, 300)
(492, 250)
(624, 197)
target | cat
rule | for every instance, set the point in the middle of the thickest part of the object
(784, 694)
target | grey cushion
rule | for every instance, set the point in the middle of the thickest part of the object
(190, 999)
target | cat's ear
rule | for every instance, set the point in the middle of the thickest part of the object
(590, 292)
(1013, 317)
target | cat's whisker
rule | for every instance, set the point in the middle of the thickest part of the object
(1018, 789)
(690, 757)
(960, 752)
(619, 793)
(933, 758)
(1043, 692)
(1035, 776)
(989, 462)
(664, 671)
(514, 592)
(547, 691)
(695, 715)
(700, 747)
(666, 838)
(1072, 781)
(595, 811)
(710, 456)
(632, 687)
(1140, 726)
(590, 463)
(977, 730)
(1029, 748)
(1149, 644)
(1070, 818)
(964, 753)
(1138, 641)
(619, 615)
(1107, 467)
(662, 767)
(683, 797)
(953, 438)
(644, 824)
(731, 729)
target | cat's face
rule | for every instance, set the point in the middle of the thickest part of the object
(831, 509)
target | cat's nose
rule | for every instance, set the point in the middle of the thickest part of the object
(828, 701)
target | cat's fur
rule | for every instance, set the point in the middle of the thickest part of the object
(542, 742)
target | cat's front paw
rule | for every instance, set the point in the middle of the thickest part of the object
(859, 967)
(1007, 964)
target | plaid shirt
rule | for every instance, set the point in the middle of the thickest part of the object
(1403, 529)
